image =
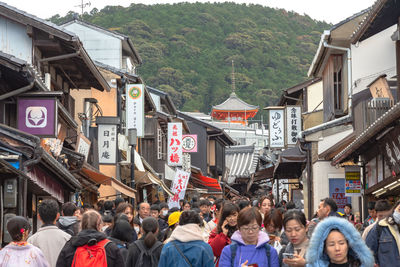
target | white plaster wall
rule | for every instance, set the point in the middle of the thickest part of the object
(14, 40)
(372, 57)
(322, 171)
(100, 46)
(314, 97)
(327, 142)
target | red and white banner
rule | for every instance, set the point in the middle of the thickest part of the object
(174, 144)
(178, 188)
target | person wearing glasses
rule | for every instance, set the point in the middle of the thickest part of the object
(249, 245)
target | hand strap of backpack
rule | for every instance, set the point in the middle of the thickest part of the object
(180, 252)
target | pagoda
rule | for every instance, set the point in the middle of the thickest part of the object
(234, 110)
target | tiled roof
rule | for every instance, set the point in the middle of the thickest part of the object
(242, 162)
(234, 103)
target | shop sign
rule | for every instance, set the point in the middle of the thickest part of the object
(135, 108)
(276, 128)
(83, 145)
(37, 116)
(186, 162)
(353, 181)
(178, 188)
(391, 150)
(107, 143)
(175, 144)
(189, 143)
(337, 192)
(293, 124)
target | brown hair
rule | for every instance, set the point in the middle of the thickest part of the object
(275, 216)
(247, 215)
(90, 220)
(122, 207)
(227, 210)
(269, 197)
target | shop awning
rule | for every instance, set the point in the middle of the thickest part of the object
(201, 181)
(100, 178)
(290, 164)
(241, 161)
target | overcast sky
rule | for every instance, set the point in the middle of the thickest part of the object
(330, 11)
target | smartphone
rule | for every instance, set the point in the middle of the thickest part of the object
(288, 255)
(253, 265)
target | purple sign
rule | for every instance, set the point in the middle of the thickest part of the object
(38, 116)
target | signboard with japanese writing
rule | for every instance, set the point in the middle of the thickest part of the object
(353, 181)
(189, 143)
(390, 147)
(38, 116)
(293, 124)
(174, 144)
(186, 162)
(337, 192)
(135, 108)
(276, 128)
(83, 145)
(107, 143)
(178, 188)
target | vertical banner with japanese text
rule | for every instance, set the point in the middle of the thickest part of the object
(276, 128)
(107, 143)
(293, 124)
(178, 188)
(135, 108)
(174, 144)
(353, 181)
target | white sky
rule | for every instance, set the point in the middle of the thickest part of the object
(332, 11)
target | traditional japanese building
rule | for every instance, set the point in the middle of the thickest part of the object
(234, 110)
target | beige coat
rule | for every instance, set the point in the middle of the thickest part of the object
(50, 239)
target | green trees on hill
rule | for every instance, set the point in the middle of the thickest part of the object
(187, 49)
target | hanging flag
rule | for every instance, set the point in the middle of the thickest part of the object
(174, 144)
(178, 188)
(135, 108)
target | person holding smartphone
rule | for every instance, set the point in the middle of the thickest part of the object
(295, 225)
(227, 225)
(249, 245)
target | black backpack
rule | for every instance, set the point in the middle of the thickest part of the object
(148, 253)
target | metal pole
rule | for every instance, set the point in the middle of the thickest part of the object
(133, 171)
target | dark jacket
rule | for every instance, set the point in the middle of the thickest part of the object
(69, 224)
(122, 246)
(114, 257)
(134, 253)
(384, 245)
(162, 224)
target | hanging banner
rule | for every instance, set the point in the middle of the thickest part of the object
(353, 181)
(293, 124)
(174, 144)
(186, 162)
(135, 108)
(178, 188)
(276, 128)
(83, 145)
(189, 143)
(107, 139)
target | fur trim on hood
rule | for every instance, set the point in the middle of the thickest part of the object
(262, 238)
(186, 233)
(316, 256)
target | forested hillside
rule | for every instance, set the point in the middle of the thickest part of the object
(187, 49)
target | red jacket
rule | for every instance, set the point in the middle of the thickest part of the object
(217, 243)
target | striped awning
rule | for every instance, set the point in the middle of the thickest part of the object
(241, 161)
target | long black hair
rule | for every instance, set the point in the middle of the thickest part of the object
(228, 209)
(16, 227)
(150, 228)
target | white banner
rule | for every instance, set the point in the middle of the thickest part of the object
(174, 144)
(135, 108)
(276, 128)
(107, 143)
(178, 188)
(293, 124)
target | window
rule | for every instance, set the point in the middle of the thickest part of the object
(338, 84)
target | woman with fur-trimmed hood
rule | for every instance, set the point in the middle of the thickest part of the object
(335, 242)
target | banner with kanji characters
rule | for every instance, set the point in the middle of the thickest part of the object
(293, 124)
(107, 143)
(178, 188)
(135, 108)
(174, 144)
(276, 128)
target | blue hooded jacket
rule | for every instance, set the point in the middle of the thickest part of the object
(252, 253)
(316, 256)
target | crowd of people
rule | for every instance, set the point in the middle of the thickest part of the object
(205, 232)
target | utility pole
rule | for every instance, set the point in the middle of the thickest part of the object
(82, 6)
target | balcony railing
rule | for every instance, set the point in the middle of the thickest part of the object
(375, 108)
